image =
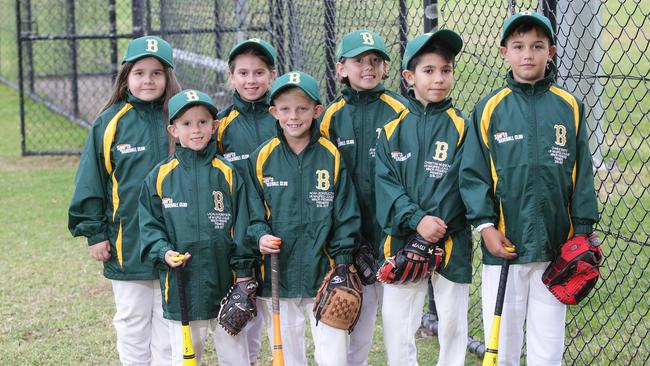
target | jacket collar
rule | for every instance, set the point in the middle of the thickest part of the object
(539, 87)
(185, 155)
(417, 108)
(314, 133)
(366, 96)
(130, 98)
(259, 106)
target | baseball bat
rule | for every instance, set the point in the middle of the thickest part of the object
(492, 351)
(278, 355)
(188, 348)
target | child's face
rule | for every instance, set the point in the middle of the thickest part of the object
(193, 128)
(528, 54)
(147, 79)
(251, 77)
(364, 72)
(432, 79)
(295, 112)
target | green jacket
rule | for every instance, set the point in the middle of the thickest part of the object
(527, 169)
(243, 126)
(418, 161)
(195, 202)
(308, 201)
(353, 121)
(125, 143)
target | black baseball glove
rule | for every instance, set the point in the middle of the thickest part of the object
(400, 268)
(366, 263)
(238, 307)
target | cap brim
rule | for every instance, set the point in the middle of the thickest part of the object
(143, 55)
(359, 50)
(526, 18)
(213, 110)
(250, 44)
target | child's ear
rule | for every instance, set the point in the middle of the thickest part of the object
(318, 110)
(408, 75)
(215, 125)
(340, 70)
(172, 130)
(552, 50)
(502, 51)
(273, 111)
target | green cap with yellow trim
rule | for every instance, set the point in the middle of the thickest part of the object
(296, 79)
(355, 43)
(527, 17)
(187, 98)
(256, 43)
(149, 46)
(448, 38)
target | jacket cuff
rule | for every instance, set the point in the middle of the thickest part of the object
(484, 220)
(583, 229)
(161, 254)
(97, 238)
(415, 219)
(244, 272)
(343, 259)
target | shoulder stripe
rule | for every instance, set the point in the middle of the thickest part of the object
(390, 127)
(335, 152)
(225, 169)
(109, 136)
(264, 154)
(571, 100)
(576, 120)
(223, 124)
(327, 117)
(459, 122)
(163, 171)
(387, 246)
(487, 113)
(392, 102)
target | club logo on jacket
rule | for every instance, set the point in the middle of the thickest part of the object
(322, 198)
(399, 156)
(127, 148)
(441, 151)
(168, 202)
(219, 218)
(558, 152)
(502, 137)
(232, 156)
(344, 142)
(271, 182)
(218, 200)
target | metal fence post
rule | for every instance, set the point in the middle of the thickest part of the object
(430, 15)
(403, 38)
(112, 31)
(72, 43)
(21, 89)
(28, 46)
(137, 16)
(330, 45)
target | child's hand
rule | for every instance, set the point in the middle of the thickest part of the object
(496, 243)
(171, 262)
(432, 228)
(101, 251)
(270, 244)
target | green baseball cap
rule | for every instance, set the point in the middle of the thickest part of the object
(256, 43)
(295, 79)
(526, 16)
(447, 37)
(360, 41)
(190, 97)
(149, 46)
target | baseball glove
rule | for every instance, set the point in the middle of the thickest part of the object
(338, 300)
(572, 275)
(400, 268)
(238, 307)
(365, 263)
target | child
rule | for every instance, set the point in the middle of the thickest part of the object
(195, 203)
(247, 123)
(526, 179)
(352, 122)
(418, 159)
(126, 141)
(304, 198)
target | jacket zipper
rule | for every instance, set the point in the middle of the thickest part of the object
(155, 130)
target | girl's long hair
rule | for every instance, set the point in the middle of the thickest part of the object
(121, 87)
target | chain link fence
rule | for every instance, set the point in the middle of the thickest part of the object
(69, 52)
